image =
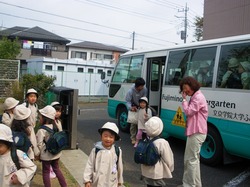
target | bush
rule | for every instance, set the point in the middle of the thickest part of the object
(40, 82)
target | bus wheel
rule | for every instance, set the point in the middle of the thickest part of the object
(122, 120)
(212, 149)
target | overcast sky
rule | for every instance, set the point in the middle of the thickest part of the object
(156, 23)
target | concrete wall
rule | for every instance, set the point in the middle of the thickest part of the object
(9, 73)
(223, 18)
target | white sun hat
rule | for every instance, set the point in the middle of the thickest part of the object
(111, 126)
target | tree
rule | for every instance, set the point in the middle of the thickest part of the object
(198, 23)
(9, 49)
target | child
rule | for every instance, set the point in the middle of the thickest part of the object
(143, 115)
(9, 104)
(157, 174)
(47, 118)
(104, 167)
(58, 107)
(10, 174)
(31, 99)
(20, 124)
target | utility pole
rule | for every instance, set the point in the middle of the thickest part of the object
(185, 24)
(133, 40)
(184, 33)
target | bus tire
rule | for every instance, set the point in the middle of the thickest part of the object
(212, 149)
(122, 116)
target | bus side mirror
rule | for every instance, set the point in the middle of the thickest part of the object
(103, 75)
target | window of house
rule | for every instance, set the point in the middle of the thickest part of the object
(108, 57)
(109, 72)
(97, 56)
(99, 71)
(80, 70)
(48, 67)
(90, 70)
(79, 54)
(60, 68)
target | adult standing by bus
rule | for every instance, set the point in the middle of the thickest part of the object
(137, 91)
(196, 111)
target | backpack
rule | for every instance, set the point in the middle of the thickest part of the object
(57, 140)
(154, 112)
(146, 153)
(14, 157)
(21, 141)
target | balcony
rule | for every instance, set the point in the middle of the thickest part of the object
(40, 52)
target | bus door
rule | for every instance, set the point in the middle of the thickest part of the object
(155, 69)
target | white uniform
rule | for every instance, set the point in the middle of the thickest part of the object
(34, 114)
(102, 168)
(7, 118)
(42, 135)
(8, 168)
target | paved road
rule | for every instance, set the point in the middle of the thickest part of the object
(93, 116)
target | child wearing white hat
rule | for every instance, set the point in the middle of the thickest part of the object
(162, 170)
(144, 114)
(20, 123)
(104, 166)
(9, 104)
(11, 174)
(30, 102)
(47, 118)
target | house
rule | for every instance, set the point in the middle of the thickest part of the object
(92, 51)
(75, 73)
(37, 42)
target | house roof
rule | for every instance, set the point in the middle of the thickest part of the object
(95, 45)
(34, 33)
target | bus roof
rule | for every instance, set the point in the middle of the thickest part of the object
(198, 43)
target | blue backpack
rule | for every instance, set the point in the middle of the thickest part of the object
(21, 141)
(146, 153)
(57, 140)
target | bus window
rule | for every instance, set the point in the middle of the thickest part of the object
(135, 68)
(121, 71)
(176, 62)
(198, 63)
(155, 76)
(231, 57)
(204, 58)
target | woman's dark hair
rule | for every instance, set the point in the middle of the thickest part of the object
(49, 121)
(190, 81)
(8, 144)
(139, 82)
(20, 126)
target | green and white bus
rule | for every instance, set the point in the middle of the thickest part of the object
(162, 69)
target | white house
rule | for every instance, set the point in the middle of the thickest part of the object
(75, 73)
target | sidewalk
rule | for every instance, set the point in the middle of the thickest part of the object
(75, 162)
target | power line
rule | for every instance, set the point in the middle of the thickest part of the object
(47, 13)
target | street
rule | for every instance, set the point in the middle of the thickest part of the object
(93, 116)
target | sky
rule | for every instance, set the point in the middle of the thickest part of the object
(155, 23)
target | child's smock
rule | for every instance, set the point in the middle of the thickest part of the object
(164, 168)
(34, 114)
(142, 119)
(8, 168)
(42, 135)
(101, 169)
(7, 118)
